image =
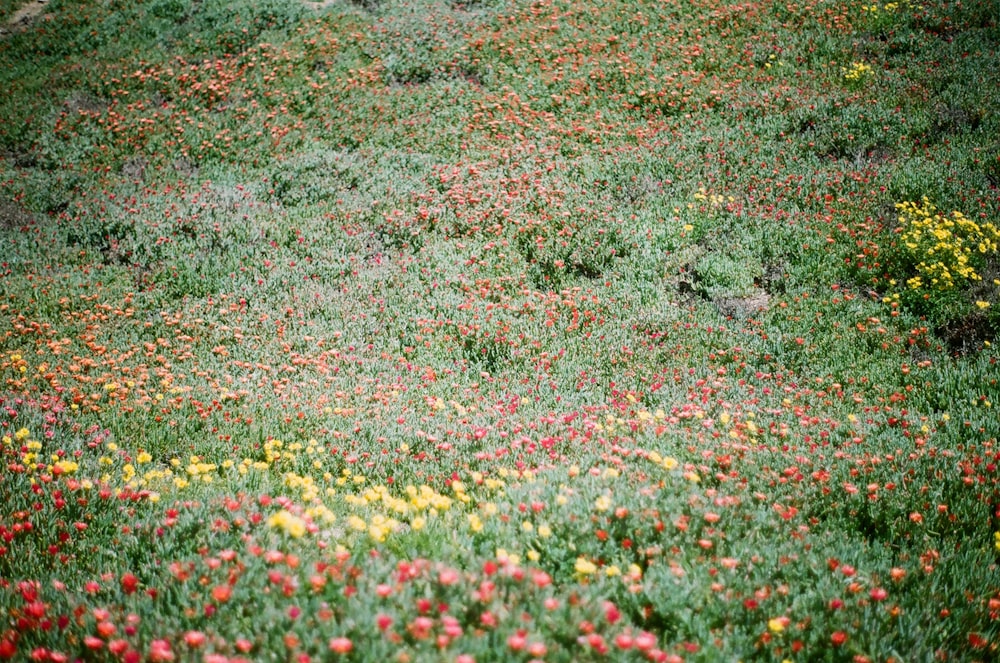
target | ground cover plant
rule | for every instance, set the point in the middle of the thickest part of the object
(420, 330)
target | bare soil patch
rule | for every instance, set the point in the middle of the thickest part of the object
(23, 18)
(13, 216)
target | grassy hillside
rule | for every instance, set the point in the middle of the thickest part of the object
(418, 330)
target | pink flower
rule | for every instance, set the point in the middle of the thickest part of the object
(448, 576)
(624, 641)
(118, 647)
(645, 641)
(537, 649)
(194, 639)
(341, 645)
(517, 642)
(159, 652)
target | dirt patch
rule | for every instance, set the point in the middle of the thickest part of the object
(134, 168)
(968, 334)
(743, 308)
(23, 17)
(81, 102)
(14, 217)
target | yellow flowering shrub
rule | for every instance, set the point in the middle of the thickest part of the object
(944, 248)
(857, 72)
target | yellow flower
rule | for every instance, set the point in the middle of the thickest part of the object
(858, 71)
(584, 566)
(288, 522)
(777, 625)
(67, 466)
(603, 503)
(379, 530)
(503, 556)
(475, 524)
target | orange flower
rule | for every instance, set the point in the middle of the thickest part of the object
(221, 593)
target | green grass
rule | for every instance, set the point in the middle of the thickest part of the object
(414, 330)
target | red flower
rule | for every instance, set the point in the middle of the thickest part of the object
(8, 647)
(129, 583)
(977, 641)
(838, 638)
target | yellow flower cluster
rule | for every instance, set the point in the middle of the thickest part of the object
(420, 502)
(198, 469)
(288, 523)
(713, 199)
(17, 362)
(875, 9)
(306, 486)
(66, 466)
(377, 527)
(666, 463)
(32, 457)
(857, 72)
(945, 246)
